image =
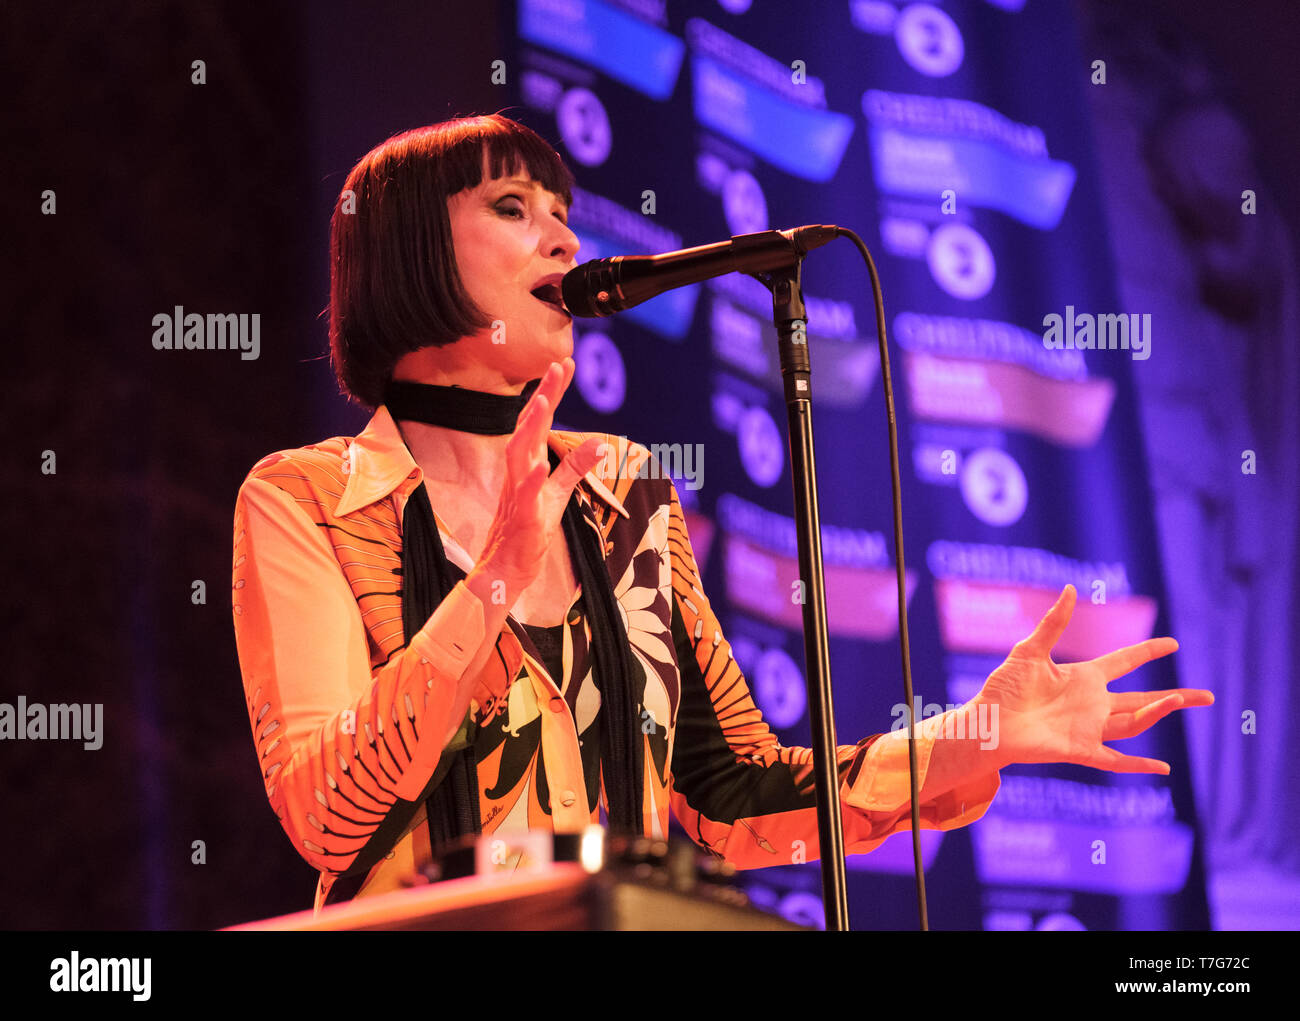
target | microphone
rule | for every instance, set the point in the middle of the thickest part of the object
(605, 286)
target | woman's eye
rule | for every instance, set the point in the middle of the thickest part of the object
(511, 210)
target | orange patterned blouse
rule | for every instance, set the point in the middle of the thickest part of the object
(347, 717)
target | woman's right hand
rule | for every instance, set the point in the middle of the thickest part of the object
(533, 498)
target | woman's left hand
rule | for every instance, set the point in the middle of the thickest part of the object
(1049, 712)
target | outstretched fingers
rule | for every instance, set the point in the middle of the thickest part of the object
(534, 424)
(522, 449)
(1117, 762)
(555, 380)
(1051, 627)
(1131, 701)
(1120, 725)
(1126, 660)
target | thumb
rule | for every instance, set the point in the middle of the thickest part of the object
(579, 461)
(1052, 626)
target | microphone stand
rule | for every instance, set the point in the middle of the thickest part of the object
(788, 315)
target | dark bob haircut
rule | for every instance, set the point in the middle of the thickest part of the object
(394, 286)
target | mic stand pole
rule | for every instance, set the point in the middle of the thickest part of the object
(788, 315)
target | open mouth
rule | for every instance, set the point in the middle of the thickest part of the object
(550, 294)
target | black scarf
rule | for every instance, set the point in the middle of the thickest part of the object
(428, 577)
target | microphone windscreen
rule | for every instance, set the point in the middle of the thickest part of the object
(579, 290)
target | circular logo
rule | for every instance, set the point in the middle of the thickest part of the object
(929, 40)
(584, 126)
(994, 487)
(599, 372)
(961, 261)
(779, 688)
(745, 653)
(761, 449)
(743, 203)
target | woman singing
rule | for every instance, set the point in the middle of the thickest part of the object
(464, 621)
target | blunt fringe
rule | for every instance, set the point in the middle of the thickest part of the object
(394, 286)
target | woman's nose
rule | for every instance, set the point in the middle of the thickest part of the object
(563, 243)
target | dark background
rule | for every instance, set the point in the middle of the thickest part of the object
(218, 197)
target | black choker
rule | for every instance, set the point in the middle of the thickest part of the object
(455, 407)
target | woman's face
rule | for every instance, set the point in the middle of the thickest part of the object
(511, 237)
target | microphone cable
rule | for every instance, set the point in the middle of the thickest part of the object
(896, 487)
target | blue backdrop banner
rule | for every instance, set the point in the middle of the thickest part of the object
(954, 138)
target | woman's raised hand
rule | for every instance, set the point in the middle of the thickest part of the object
(533, 497)
(1050, 712)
